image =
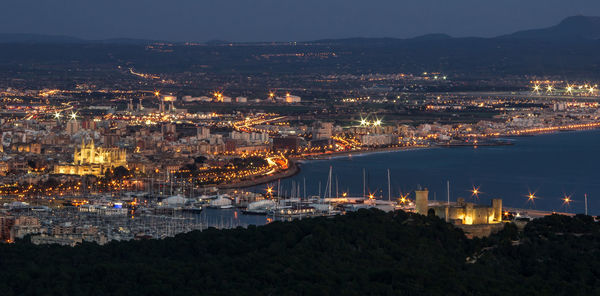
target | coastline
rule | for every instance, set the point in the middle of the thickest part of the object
(343, 154)
(296, 161)
(291, 171)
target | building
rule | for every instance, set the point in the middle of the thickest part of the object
(289, 99)
(460, 212)
(292, 99)
(323, 130)
(6, 223)
(378, 139)
(43, 239)
(73, 127)
(169, 98)
(421, 201)
(23, 226)
(286, 143)
(202, 132)
(92, 160)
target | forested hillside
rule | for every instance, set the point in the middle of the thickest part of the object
(363, 253)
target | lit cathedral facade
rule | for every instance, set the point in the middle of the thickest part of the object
(92, 160)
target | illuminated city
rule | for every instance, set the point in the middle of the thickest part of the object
(337, 166)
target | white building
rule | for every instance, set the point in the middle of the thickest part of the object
(378, 139)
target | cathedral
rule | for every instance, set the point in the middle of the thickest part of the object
(92, 160)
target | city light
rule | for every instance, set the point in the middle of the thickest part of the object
(404, 198)
(73, 115)
(377, 122)
(363, 122)
(567, 200)
(531, 197)
(569, 89)
(475, 192)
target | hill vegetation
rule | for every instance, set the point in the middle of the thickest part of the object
(363, 253)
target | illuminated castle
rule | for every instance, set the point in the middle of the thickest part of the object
(461, 212)
(92, 160)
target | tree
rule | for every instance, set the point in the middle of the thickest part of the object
(121, 172)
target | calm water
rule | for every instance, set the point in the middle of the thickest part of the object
(548, 165)
(228, 218)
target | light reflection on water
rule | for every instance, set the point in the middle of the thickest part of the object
(550, 165)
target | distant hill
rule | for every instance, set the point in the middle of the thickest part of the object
(38, 38)
(130, 41)
(61, 39)
(429, 37)
(571, 28)
(383, 41)
(575, 27)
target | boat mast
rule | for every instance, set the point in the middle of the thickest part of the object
(448, 189)
(304, 179)
(336, 187)
(364, 183)
(330, 168)
(389, 188)
(319, 189)
(586, 210)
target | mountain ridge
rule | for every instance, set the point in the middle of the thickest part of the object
(571, 28)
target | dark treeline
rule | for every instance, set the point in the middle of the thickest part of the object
(363, 253)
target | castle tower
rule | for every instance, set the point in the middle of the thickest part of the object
(422, 201)
(469, 213)
(497, 208)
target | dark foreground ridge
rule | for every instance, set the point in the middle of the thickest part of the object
(363, 253)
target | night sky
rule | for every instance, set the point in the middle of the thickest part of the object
(282, 20)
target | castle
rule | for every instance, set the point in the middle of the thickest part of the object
(461, 212)
(475, 220)
(92, 160)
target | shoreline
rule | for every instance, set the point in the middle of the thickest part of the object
(290, 172)
(296, 161)
(342, 154)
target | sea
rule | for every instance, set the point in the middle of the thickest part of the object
(548, 166)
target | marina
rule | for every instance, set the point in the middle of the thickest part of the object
(551, 166)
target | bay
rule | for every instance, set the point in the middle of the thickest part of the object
(550, 166)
